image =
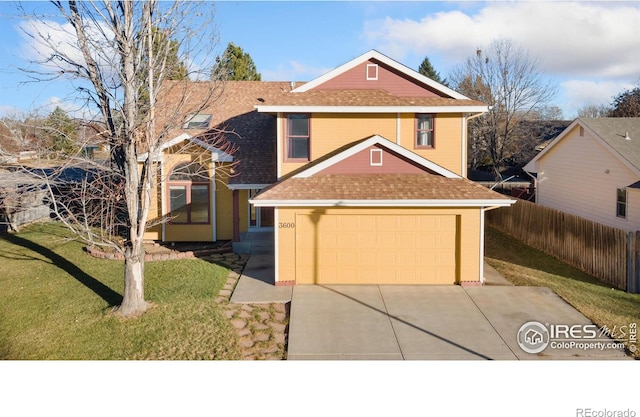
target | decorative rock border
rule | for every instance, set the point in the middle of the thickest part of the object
(160, 256)
(262, 329)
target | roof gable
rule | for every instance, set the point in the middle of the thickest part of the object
(379, 142)
(217, 155)
(336, 78)
(608, 131)
(375, 159)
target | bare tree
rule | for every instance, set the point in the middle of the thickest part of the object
(627, 103)
(593, 111)
(117, 52)
(511, 82)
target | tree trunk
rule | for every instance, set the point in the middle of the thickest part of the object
(133, 303)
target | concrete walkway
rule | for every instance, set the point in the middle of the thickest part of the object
(257, 283)
(408, 322)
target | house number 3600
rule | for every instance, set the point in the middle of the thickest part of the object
(282, 225)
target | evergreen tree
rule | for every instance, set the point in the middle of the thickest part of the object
(62, 131)
(427, 70)
(176, 69)
(235, 65)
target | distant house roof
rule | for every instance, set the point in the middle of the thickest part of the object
(614, 130)
(621, 135)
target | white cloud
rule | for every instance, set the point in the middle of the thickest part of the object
(295, 71)
(51, 44)
(587, 39)
(580, 93)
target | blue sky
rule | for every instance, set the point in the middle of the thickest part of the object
(590, 49)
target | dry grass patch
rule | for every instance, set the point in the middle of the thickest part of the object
(523, 265)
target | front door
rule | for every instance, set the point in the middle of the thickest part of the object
(259, 216)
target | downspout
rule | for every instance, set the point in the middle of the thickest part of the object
(465, 121)
(482, 246)
(279, 140)
(535, 185)
(398, 128)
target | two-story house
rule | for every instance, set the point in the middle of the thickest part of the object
(360, 172)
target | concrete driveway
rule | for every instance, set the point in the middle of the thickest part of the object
(408, 322)
(426, 322)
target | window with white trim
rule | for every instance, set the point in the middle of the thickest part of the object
(298, 140)
(424, 131)
(197, 121)
(621, 203)
(189, 197)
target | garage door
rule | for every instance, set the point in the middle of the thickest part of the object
(375, 249)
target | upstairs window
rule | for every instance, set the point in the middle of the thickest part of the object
(197, 121)
(621, 203)
(189, 197)
(424, 131)
(298, 137)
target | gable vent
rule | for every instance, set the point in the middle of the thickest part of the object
(372, 72)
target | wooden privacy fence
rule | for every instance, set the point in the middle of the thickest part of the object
(610, 254)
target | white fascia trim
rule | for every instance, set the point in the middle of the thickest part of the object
(276, 246)
(216, 154)
(247, 186)
(373, 54)
(386, 143)
(382, 203)
(371, 109)
(532, 165)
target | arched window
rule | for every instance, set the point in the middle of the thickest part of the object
(189, 200)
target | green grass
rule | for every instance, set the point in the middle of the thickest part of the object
(523, 265)
(56, 302)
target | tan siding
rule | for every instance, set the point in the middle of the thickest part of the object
(448, 140)
(186, 232)
(579, 175)
(332, 131)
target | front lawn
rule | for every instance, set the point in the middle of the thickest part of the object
(523, 265)
(56, 303)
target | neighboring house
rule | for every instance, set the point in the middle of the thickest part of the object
(360, 173)
(592, 170)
